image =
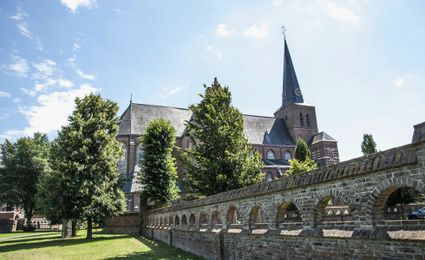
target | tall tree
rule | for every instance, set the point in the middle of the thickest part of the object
(368, 145)
(158, 168)
(403, 196)
(24, 162)
(221, 158)
(302, 163)
(86, 155)
(302, 152)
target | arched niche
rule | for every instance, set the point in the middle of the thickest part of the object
(233, 217)
(184, 220)
(256, 216)
(288, 213)
(216, 218)
(332, 210)
(192, 220)
(203, 219)
(177, 221)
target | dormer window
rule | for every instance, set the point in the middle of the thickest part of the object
(271, 155)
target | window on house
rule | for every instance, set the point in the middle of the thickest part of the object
(122, 163)
(271, 155)
(287, 156)
(307, 118)
(301, 120)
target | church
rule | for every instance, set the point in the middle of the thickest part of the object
(274, 137)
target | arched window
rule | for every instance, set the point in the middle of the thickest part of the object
(271, 155)
(192, 220)
(269, 177)
(122, 163)
(139, 156)
(203, 219)
(216, 218)
(287, 156)
(301, 120)
(184, 220)
(256, 216)
(232, 216)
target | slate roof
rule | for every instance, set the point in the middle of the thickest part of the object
(322, 136)
(257, 129)
(291, 89)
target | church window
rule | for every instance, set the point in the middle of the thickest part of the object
(122, 163)
(271, 155)
(287, 156)
(307, 118)
(139, 156)
(301, 120)
(269, 177)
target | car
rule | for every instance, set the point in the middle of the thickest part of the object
(416, 214)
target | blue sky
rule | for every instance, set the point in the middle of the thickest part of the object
(360, 62)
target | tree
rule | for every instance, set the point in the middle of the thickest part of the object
(302, 152)
(403, 196)
(86, 155)
(302, 163)
(158, 169)
(368, 144)
(24, 162)
(221, 158)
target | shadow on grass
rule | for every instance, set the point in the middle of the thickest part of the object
(16, 245)
(158, 250)
(27, 239)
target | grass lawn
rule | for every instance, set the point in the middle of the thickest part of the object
(49, 245)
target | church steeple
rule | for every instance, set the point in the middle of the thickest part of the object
(291, 90)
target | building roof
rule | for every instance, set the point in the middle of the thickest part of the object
(291, 89)
(257, 129)
(322, 137)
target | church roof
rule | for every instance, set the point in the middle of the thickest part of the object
(257, 129)
(322, 136)
(291, 89)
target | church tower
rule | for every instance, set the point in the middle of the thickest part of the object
(300, 117)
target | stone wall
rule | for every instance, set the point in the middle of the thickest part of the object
(291, 217)
(128, 223)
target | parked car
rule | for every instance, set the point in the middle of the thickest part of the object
(420, 213)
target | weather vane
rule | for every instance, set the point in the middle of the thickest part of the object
(284, 32)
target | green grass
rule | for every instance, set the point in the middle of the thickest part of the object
(49, 245)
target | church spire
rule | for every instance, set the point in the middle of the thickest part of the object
(291, 90)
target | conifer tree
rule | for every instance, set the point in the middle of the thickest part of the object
(221, 158)
(302, 163)
(158, 170)
(86, 155)
(368, 144)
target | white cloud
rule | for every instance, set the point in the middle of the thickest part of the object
(22, 25)
(65, 83)
(399, 81)
(216, 51)
(19, 66)
(29, 92)
(85, 75)
(45, 69)
(24, 29)
(257, 31)
(340, 13)
(277, 2)
(76, 46)
(166, 92)
(73, 5)
(222, 30)
(17, 100)
(51, 111)
(4, 94)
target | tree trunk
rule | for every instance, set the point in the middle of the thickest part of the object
(89, 228)
(74, 228)
(28, 215)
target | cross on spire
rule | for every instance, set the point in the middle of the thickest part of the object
(284, 32)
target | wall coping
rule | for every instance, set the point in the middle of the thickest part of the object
(394, 157)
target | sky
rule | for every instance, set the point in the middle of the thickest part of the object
(360, 62)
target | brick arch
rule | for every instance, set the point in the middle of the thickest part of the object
(283, 212)
(383, 190)
(256, 215)
(233, 215)
(323, 197)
